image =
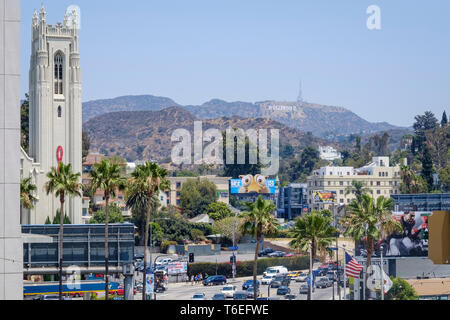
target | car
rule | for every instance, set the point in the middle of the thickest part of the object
(228, 291)
(121, 291)
(267, 279)
(331, 275)
(323, 282)
(52, 297)
(249, 283)
(276, 270)
(290, 296)
(198, 296)
(301, 277)
(283, 290)
(290, 254)
(279, 281)
(215, 280)
(218, 296)
(240, 295)
(164, 261)
(265, 252)
(251, 292)
(138, 256)
(293, 274)
(277, 254)
(341, 281)
(138, 286)
(304, 288)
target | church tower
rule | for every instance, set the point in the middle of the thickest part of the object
(55, 109)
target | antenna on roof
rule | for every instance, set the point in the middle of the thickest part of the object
(300, 93)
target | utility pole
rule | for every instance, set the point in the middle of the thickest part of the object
(310, 271)
(382, 273)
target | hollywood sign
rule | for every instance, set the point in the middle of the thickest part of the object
(282, 108)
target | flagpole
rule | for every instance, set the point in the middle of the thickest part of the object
(345, 270)
(382, 273)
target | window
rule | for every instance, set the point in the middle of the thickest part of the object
(329, 183)
(378, 192)
(59, 112)
(58, 79)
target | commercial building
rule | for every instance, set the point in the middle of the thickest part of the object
(380, 178)
(11, 247)
(329, 153)
(422, 202)
(431, 289)
(292, 201)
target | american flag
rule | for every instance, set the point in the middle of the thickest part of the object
(352, 268)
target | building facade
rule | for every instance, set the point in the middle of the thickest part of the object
(329, 153)
(380, 178)
(292, 201)
(11, 247)
(55, 112)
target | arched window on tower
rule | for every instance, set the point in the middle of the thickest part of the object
(59, 60)
(59, 112)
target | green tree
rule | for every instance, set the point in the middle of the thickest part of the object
(114, 215)
(86, 144)
(25, 123)
(106, 176)
(149, 178)
(427, 167)
(197, 235)
(444, 178)
(369, 220)
(218, 211)
(425, 122)
(57, 217)
(444, 120)
(196, 195)
(62, 181)
(401, 290)
(313, 232)
(27, 197)
(226, 226)
(258, 220)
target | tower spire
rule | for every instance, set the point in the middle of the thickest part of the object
(300, 93)
(35, 18)
(43, 13)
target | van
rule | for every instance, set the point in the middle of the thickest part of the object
(277, 270)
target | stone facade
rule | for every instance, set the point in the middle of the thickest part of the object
(55, 112)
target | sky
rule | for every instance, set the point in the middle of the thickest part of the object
(254, 50)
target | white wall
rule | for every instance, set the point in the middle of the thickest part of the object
(11, 248)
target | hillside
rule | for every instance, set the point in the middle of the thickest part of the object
(147, 134)
(323, 121)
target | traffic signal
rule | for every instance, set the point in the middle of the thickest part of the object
(233, 259)
(191, 257)
(439, 237)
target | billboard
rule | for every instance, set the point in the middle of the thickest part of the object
(412, 241)
(177, 267)
(324, 196)
(258, 184)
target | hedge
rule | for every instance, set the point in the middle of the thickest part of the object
(245, 268)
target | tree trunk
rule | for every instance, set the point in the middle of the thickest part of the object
(142, 229)
(106, 245)
(60, 251)
(255, 265)
(147, 220)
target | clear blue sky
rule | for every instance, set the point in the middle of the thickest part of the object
(253, 50)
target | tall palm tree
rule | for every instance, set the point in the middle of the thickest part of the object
(369, 220)
(313, 232)
(258, 220)
(106, 176)
(147, 180)
(62, 181)
(27, 197)
(359, 188)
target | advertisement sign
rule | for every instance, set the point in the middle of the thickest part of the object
(149, 287)
(324, 196)
(177, 267)
(412, 241)
(258, 184)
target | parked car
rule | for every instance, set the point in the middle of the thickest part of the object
(290, 254)
(228, 291)
(267, 279)
(198, 296)
(323, 282)
(279, 281)
(240, 295)
(277, 254)
(265, 252)
(52, 297)
(215, 280)
(251, 292)
(275, 270)
(283, 290)
(249, 283)
(301, 277)
(218, 296)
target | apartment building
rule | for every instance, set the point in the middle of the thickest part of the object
(378, 176)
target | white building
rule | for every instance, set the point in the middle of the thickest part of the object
(329, 153)
(55, 112)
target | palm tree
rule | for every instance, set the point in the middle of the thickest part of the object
(313, 232)
(147, 180)
(62, 181)
(357, 187)
(27, 197)
(369, 220)
(258, 221)
(106, 176)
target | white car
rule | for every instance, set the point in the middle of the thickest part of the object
(301, 277)
(164, 261)
(267, 279)
(278, 270)
(198, 296)
(228, 291)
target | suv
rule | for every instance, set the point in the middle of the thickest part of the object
(275, 270)
(249, 283)
(265, 252)
(215, 280)
(279, 281)
(323, 282)
(228, 291)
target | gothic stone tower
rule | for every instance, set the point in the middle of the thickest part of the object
(55, 109)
